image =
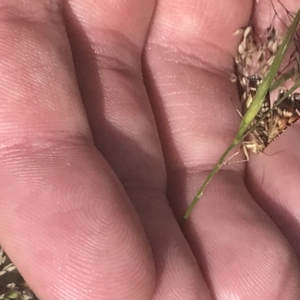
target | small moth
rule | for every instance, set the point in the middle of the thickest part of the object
(277, 120)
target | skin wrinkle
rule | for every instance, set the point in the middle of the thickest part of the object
(187, 56)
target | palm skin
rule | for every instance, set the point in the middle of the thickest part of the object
(112, 114)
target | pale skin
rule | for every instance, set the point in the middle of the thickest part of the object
(112, 113)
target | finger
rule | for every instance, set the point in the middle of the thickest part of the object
(64, 219)
(125, 131)
(272, 176)
(107, 48)
(189, 62)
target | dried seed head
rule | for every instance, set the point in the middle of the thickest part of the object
(12, 285)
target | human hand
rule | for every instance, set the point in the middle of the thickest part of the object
(89, 191)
